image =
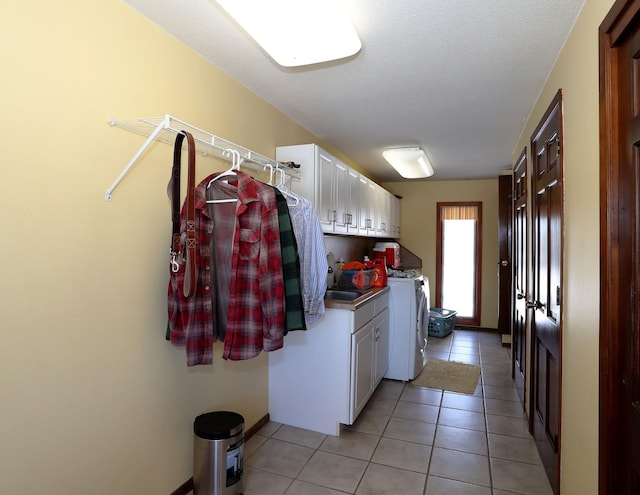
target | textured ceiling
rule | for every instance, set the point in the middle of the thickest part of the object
(457, 77)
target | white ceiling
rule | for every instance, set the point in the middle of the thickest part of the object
(457, 77)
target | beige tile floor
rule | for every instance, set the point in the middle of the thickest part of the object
(412, 440)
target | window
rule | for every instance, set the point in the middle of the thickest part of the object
(458, 255)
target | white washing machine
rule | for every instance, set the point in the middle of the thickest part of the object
(408, 326)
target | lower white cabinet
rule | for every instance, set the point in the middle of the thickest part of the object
(369, 360)
(324, 376)
(381, 339)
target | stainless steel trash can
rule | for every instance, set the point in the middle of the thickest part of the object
(218, 451)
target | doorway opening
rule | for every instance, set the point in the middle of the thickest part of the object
(458, 256)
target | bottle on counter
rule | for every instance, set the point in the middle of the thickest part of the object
(367, 263)
(331, 279)
(338, 273)
(380, 276)
(331, 276)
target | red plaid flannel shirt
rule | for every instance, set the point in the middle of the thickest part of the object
(255, 318)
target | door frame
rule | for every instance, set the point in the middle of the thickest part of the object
(477, 319)
(505, 254)
(621, 17)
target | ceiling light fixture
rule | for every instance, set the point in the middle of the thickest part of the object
(296, 32)
(410, 163)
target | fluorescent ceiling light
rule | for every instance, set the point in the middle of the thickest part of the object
(297, 32)
(411, 163)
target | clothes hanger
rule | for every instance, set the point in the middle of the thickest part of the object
(235, 165)
(284, 189)
(270, 172)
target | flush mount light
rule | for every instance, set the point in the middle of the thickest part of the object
(297, 32)
(411, 163)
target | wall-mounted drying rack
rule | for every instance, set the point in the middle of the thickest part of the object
(165, 129)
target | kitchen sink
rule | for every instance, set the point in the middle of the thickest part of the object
(342, 295)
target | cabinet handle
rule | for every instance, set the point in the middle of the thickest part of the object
(333, 215)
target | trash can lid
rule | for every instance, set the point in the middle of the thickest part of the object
(218, 424)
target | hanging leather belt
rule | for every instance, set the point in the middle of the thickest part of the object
(189, 241)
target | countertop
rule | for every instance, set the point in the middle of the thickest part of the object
(353, 305)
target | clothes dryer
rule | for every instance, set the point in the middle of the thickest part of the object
(408, 326)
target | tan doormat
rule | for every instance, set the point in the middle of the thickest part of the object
(448, 375)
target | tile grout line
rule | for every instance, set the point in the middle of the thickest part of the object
(435, 432)
(397, 398)
(486, 421)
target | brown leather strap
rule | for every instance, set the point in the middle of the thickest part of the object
(174, 194)
(190, 279)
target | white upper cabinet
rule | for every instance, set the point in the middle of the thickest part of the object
(366, 225)
(395, 217)
(383, 210)
(341, 201)
(353, 202)
(346, 201)
(325, 187)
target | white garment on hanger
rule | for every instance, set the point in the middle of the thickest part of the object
(313, 256)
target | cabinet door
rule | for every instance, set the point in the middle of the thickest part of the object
(325, 190)
(341, 197)
(381, 343)
(373, 208)
(366, 221)
(383, 209)
(395, 217)
(362, 345)
(353, 192)
(363, 192)
(306, 156)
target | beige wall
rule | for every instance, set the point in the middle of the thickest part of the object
(418, 229)
(92, 398)
(576, 72)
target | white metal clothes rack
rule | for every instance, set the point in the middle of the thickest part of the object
(166, 127)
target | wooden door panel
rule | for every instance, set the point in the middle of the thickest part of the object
(520, 233)
(553, 419)
(520, 352)
(546, 147)
(547, 395)
(620, 250)
(555, 253)
(541, 249)
(635, 445)
(540, 397)
(520, 274)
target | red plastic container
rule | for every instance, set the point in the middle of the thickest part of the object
(390, 251)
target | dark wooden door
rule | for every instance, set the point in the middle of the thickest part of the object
(505, 253)
(620, 250)
(546, 367)
(520, 275)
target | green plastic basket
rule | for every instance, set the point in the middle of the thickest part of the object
(441, 322)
